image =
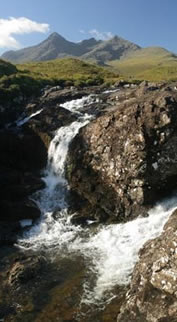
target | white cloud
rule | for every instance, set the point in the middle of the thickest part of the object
(105, 35)
(82, 31)
(18, 26)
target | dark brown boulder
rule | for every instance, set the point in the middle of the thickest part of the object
(15, 211)
(24, 269)
(21, 158)
(9, 232)
(15, 185)
(153, 292)
(126, 159)
(22, 151)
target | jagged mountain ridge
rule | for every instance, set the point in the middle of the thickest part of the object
(56, 46)
(114, 48)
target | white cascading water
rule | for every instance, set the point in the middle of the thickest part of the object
(112, 251)
(50, 232)
(24, 120)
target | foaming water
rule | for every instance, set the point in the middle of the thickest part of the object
(20, 122)
(111, 91)
(112, 251)
(80, 103)
(55, 229)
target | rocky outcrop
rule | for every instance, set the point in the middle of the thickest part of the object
(19, 178)
(19, 175)
(24, 269)
(153, 292)
(126, 159)
(53, 115)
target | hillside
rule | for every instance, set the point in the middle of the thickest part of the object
(115, 48)
(151, 63)
(119, 55)
(55, 46)
(70, 70)
(28, 79)
(7, 68)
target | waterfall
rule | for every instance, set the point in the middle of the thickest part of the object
(112, 250)
(24, 120)
(50, 232)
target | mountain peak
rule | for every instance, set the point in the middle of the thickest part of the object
(55, 36)
(56, 46)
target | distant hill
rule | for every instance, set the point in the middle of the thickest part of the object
(115, 48)
(151, 63)
(55, 46)
(119, 55)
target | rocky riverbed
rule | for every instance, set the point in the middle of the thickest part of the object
(122, 161)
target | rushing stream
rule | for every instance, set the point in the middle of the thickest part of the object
(111, 251)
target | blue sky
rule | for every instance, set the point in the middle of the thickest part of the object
(145, 22)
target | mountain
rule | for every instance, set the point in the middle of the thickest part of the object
(151, 63)
(115, 48)
(55, 46)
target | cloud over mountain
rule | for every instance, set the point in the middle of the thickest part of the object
(56, 46)
(99, 35)
(18, 26)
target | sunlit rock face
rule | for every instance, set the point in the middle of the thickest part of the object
(153, 291)
(126, 159)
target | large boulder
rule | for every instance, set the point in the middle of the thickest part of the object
(126, 159)
(153, 292)
(19, 210)
(19, 176)
(22, 151)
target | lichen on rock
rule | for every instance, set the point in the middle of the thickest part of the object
(126, 159)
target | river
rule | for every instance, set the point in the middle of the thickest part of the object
(98, 260)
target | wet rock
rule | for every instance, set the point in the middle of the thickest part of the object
(15, 211)
(25, 269)
(22, 156)
(48, 121)
(81, 220)
(5, 311)
(15, 185)
(153, 292)
(58, 96)
(9, 232)
(17, 150)
(125, 160)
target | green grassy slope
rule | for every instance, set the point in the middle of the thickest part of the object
(28, 79)
(152, 63)
(67, 70)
